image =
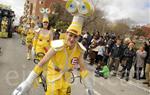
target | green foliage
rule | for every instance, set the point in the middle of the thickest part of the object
(60, 19)
(61, 25)
(140, 32)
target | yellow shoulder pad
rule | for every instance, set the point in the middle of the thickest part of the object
(57, 45)
(81, 46)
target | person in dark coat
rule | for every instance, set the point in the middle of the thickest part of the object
(147, 70)
(129, 54)
(115, 55)
(146, 47)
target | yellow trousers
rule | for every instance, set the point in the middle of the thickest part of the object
(59, 87)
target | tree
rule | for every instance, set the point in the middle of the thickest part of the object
(60, 17)
(120, 28)
(139, 31)
(96, 22)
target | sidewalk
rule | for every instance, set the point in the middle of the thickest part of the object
(133, 82)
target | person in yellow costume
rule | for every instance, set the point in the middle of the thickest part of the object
(25, 27)
(62, 57)
(4, 25)
(43, 36)
(29, 39)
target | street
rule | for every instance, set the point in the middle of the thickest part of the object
(14, 68)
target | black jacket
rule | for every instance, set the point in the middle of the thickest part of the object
(129, 54)
(116, 52)
(148, 57)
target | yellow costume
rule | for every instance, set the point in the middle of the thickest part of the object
(4, 25)
(29, 37)
(43, 43)
(58, 82)
(63, 56)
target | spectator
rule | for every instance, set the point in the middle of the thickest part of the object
(147, 71)
(124, 47)
(56, 34)
(146, 47)
(106, 55)
(140, 57)
(100, 54)
(115, 55)
(129, 54)
(104, 72)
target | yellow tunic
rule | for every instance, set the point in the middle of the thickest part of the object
(58, 81)
(29, 37)
(43, 43)
(63, 59)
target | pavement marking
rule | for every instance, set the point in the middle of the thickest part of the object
(136, 85)
(96, 92)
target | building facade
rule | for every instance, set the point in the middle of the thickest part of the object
(33, 7)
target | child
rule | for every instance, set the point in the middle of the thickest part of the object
(103, 72)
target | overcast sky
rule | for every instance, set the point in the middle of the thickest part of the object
(137, 10)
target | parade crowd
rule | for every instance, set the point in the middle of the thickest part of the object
(109, 52)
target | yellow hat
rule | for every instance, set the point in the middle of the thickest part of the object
(76, 25)
(45, 19)
(32, 21)
(45, 12)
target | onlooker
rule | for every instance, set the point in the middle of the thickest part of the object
(100, 54)
(93, 50)
(146, 47)
(147, 71)
(140, 56)
(129, 54)
(115, 54)
(124, 47)
(103, 72)
(106, 55)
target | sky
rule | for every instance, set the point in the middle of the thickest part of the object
(136, 10)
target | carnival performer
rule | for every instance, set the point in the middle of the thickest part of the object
(43, 36)
(4, 25)
(62, 57)
(29, 39)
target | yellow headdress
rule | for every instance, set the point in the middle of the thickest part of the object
(45, 12)
(76, 25)
(79, 9)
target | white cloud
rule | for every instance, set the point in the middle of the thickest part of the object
(114, 9)
(119, 9)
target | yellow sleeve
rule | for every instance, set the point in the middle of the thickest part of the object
(38, 70)
(84, 74)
